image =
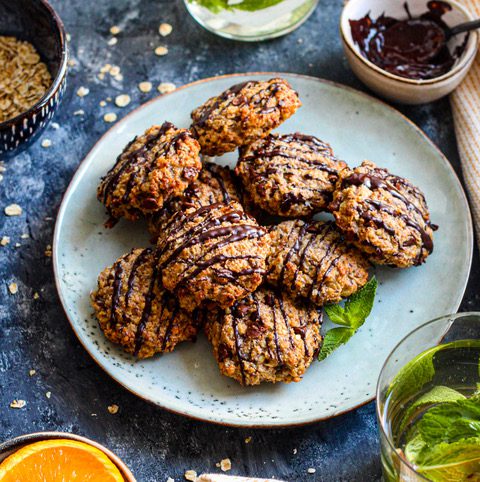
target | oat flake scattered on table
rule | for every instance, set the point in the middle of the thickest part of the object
(165, 29)
(122, 100)
(18, 404)
(113, 409)
(145, 87)
(110, 117)
(13, 210)
(191, 475)
(161, 51)
(166, 87)
(83, 91)
(24, 79)
(13, 288)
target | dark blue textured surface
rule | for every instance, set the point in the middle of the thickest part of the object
(35, 333)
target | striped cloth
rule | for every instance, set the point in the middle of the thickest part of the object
(228, 478)
(466, 114)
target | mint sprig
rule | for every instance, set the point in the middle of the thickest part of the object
(457, 461)
(351, 317)
(446, 444)
(216, 6)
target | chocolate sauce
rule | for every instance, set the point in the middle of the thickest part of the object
(376, 181)
(414, 48)
(210, 228)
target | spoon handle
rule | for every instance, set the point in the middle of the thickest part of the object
(464, 27)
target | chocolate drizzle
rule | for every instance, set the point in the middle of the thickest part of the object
(306, 235)
(146, 259)
(214, 226)
(306, 163)
(136, 165)
(147, 308)
(378, 180)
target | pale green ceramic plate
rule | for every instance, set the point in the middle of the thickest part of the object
(188, 381)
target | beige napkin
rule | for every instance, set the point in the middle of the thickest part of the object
(466, 114)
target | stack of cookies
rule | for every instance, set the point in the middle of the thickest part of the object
(257, 290)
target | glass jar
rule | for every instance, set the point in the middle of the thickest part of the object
(415, 367)
(250, 20)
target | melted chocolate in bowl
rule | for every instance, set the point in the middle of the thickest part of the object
(415, 48)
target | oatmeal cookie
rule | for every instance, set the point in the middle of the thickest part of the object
(214, 253)
(310, 260)
(243, 114)
(151, 169)
(383, 215)
(265, 337)
(290, 175)
(135, 311)
(215, 184)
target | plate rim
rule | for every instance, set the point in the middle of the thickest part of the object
(82, 166)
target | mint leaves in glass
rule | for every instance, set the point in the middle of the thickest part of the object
(250, 20)
(428, 403)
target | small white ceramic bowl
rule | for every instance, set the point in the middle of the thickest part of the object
(393, 87)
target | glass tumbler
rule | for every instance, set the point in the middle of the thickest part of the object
(250, 20)
(417, 365)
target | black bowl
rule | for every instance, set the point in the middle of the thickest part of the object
(38, 23)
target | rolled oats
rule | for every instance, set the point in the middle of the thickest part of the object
(13, 210)
(145, 87)
(166, 87)
(161, 51)
(18, 404)
(110, 117)
(165, 29)
(24, 78)
(122, 100)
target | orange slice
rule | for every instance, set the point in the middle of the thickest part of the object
(59, 460)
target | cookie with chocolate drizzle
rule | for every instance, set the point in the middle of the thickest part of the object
(265, 337)
(242, 114)
(310, 260)
(135, 311)
(383, 215)
(290, 175)
(215, 184)
(213, 253)
(154, 167)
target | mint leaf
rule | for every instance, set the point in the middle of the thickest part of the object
(333, 339)
(216, 6)
(359, 306)
(414, 375)
(438, 394)
(337, 314)
(351, 317)
(458, 461)
(414, 448)
(252, 5)
(451, 421)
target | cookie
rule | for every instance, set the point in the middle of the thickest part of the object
(214, 253)
(292, 175)
(215, 184)
(242, 114)
(153, 168)
(383, 215)
(135, 311)
(265, 337)
(310, 260)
